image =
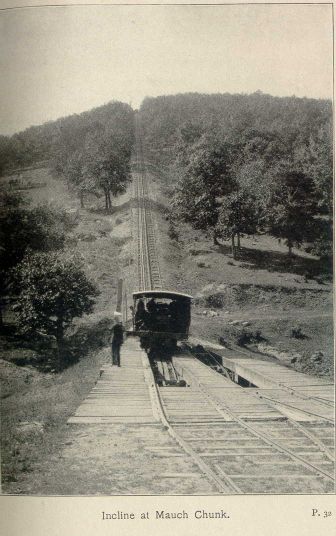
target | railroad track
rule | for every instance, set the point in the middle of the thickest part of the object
(300, 396)
(241, 443)
(149, 274)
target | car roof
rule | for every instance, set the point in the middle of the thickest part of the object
(160, 294)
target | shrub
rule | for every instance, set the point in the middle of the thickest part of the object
(245, 336)
(53, 290)
(296, 333)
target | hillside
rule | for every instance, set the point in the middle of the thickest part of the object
(255, 299)
(225, 149)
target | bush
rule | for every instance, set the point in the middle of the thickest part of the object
(53, 290)
(90, 336)
(296, 333)
(323, 248)
(245, 336)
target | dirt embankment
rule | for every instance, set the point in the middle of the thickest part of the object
(249, 294)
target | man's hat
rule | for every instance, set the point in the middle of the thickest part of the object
(117, 316)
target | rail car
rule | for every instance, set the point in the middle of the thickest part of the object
(160, 319)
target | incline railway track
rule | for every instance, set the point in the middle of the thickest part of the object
(298, 396)
(149, 275)
(240, 442)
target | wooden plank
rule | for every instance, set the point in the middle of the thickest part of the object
(239, 454)
(220, 439)
(238, 448)
(280, 462)
(179, 476)
(109, 420)
(121, 395)
(268, 476)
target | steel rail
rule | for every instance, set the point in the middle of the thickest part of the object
(144, 281)
(313, 438)
(223, 481)
(223, 408)
(149, 274)
(299, 394)
(273, 401)
(222, 486)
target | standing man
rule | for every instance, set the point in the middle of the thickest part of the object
(117, 340)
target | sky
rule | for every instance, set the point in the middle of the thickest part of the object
(55, 61)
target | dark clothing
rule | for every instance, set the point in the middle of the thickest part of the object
(117, 333)
(116, 354)
(140, 316)
(117, 340)
(151, 314)
(151, 306)
(141, 321)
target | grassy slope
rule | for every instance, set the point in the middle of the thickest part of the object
(49, 399)
(29, 396)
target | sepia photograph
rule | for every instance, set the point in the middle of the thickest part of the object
(166, 253)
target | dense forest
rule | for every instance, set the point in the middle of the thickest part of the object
(255, 163)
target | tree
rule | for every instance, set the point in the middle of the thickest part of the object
(316, 160)
(245, 210)
(76, 172)
(107, 164)
(238, 214)
(41, 228)
(53, 290)
(200, 209)
(208, 177)
(93, 151)
(187, 136)
(292, 207)
(5, 153)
